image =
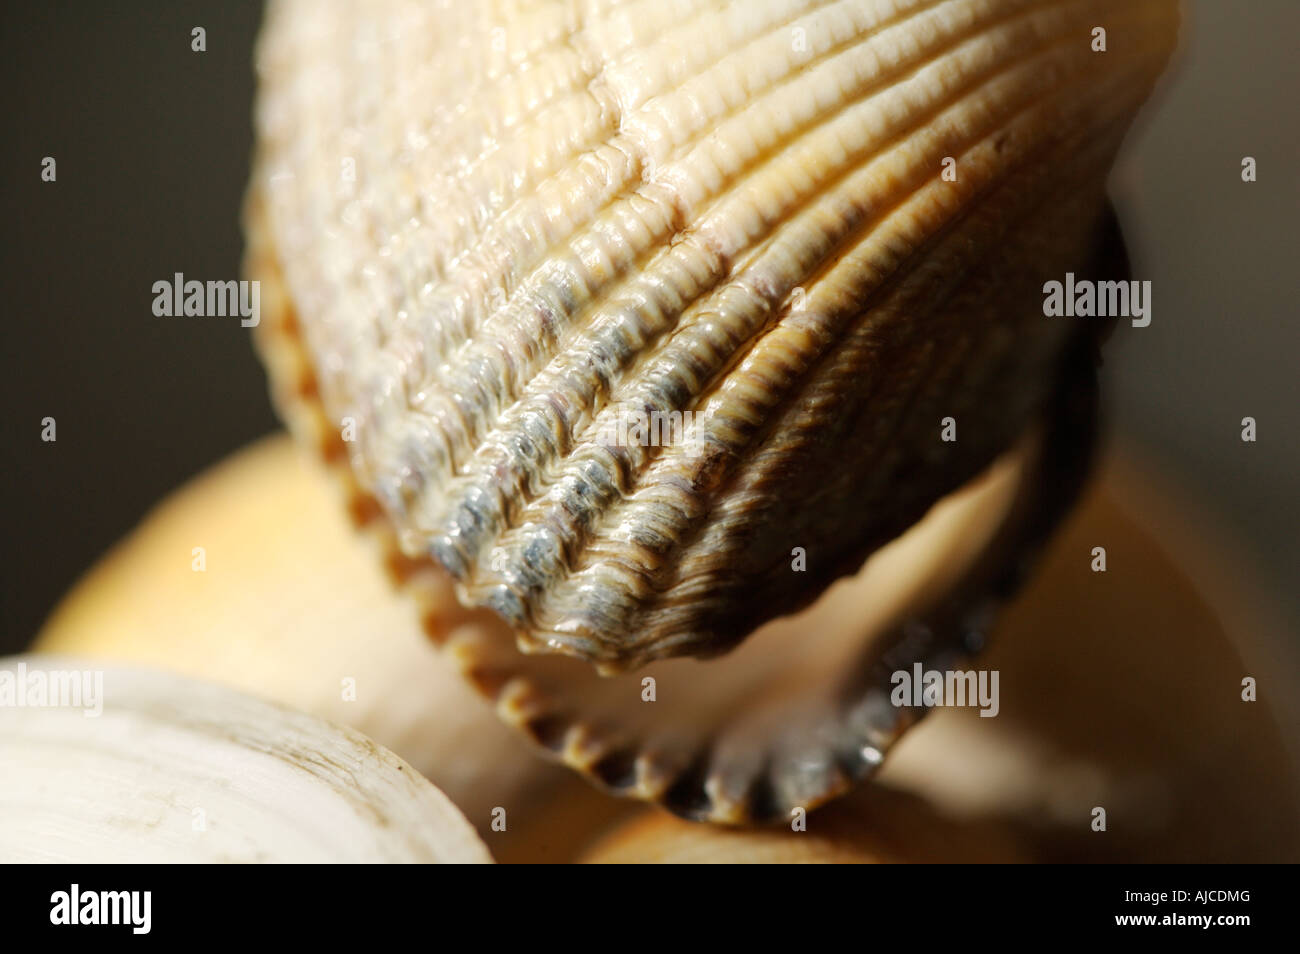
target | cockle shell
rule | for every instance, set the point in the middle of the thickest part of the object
(496, 231)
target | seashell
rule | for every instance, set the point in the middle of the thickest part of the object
(487, 237)
(151, 767)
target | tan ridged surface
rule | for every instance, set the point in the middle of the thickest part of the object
(501, 226)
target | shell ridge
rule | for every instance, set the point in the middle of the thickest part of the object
(474, 582)
(792, 76)
(556, 629)
(711, 583)
(886, 83)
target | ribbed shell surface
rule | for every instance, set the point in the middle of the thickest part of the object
(807, 231)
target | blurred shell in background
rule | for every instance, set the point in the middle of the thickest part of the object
(141, 766)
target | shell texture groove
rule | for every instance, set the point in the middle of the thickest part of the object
(506, 229)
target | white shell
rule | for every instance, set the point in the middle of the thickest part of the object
(149, 767)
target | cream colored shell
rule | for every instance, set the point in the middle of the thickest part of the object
(504, 228)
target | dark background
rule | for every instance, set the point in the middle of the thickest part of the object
(152, 143)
